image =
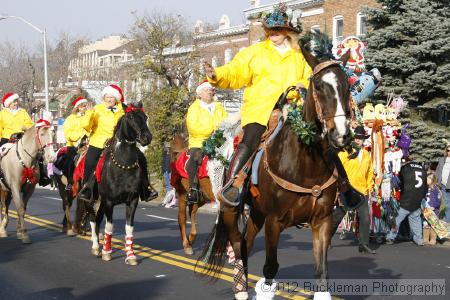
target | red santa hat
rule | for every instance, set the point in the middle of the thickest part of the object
(202, 85)
(78, 101)
(114, 91)
(9, 98)
(42, 123)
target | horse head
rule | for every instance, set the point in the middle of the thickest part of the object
(328, 99)
(133, 125)
(44, 139)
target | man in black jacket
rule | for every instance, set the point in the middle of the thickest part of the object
(413, 189)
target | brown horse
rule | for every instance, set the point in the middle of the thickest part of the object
(178, 146)
(297, 184)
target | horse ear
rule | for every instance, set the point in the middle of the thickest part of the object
(124, 106)
(311, 59)
(139, 105)
(344, 58)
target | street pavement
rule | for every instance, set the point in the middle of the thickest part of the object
(56, 266)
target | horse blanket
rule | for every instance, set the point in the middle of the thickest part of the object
(179, 168)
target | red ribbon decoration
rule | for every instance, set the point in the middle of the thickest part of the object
(28, 175)
(132, 108)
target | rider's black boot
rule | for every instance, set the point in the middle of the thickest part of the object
(148, 193)
(230, 191)
(43, 175)
(193, 195)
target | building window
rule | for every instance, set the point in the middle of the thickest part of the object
(315, 29)
(361, 28)
(338, 29)
(228, 55)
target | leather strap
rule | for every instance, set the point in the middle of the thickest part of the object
(316, 190)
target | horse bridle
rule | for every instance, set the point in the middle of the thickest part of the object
(317, 69)
(133, 123)
(41, 147)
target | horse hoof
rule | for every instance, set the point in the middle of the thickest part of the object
(95, 252)
(26, 240)
(241, 296)
(188, 251)
(3, 234)
(131, 261)
(106, 256)
(70, 232)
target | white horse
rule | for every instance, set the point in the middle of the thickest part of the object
(216, 170)
(20, 174)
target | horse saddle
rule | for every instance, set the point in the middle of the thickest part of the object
(180, 166)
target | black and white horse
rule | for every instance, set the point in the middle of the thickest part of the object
(121, 180)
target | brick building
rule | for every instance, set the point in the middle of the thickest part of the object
(336, 17)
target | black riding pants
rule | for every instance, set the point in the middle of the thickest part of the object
(252, 135)
(194, 162)
(70, 164)
(364, 221)
(92, 156)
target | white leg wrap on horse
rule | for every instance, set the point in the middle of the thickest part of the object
(322, 296)
(265, 292)
(94, 237)
(129, 230)
(129, 247)
(109, 228)
(241, 296)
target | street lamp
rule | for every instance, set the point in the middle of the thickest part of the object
(44, 33)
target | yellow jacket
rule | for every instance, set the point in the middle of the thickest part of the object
(265, 74)
(201, 123)
(73, 131)
(360, 173)
(11, 123)
(100, 123)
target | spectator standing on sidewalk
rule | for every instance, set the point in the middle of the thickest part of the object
(443, 178)
(413, 189)
(170, 197)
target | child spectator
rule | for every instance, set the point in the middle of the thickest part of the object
(433, 200)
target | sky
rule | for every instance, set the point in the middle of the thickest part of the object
(99, 18)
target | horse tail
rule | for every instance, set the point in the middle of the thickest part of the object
(212, 259)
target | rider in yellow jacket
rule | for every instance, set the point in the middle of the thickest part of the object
(100, 123)
(265, 69)
(12, 118)
(203, 118)
(73, 132)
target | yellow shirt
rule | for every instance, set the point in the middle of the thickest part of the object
(265, 74)
(12, 123)
(201, 123)
(359, 172)
(73, 131)
(100, 123)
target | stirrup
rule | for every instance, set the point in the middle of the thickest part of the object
(222, 192)
(193, 196)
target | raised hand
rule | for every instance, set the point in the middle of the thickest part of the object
(209, 70)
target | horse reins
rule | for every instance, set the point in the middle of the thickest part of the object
(316, 190)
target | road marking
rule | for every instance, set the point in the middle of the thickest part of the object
(164, 218)
(158, 255)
